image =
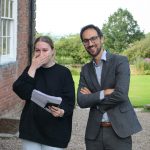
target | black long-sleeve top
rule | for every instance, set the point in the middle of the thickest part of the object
(36, 124)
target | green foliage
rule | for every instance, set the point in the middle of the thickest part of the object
(64, 60)
(147, 72)
(142, 66)
(138, 49)
(72, 48)
(121, 30)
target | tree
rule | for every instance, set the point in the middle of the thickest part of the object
(71, 48)
(121, 30)
(138, 49)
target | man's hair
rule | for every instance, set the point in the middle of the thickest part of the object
(45, 39)
(91, 26)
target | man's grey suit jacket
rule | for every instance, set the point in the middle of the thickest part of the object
(115, 75)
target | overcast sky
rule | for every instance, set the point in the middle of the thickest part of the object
(63, 17)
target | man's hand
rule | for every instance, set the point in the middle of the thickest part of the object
(85, 90)
(108, 92)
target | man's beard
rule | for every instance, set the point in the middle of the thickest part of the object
(97, 52)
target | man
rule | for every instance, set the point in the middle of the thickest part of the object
(103, 87)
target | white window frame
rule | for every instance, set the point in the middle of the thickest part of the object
(10, 56)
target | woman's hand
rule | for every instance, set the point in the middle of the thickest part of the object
(56, 111)
(37, 62)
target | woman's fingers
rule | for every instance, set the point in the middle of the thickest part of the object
(56, 112)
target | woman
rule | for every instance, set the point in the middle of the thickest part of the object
(40, 129)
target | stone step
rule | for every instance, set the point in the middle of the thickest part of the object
(9, 127)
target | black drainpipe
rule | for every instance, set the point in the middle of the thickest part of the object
(31, 28)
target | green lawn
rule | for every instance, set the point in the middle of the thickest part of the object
(139, 92)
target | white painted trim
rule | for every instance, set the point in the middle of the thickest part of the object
(13, 34)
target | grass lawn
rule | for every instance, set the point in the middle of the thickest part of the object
(139, 92)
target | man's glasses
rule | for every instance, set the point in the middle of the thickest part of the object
(92, 39)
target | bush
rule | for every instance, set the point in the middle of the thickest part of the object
(147, 72)
(64, 60)
(138, 49)
(142, 66)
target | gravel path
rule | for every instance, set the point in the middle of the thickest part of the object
(141, 140)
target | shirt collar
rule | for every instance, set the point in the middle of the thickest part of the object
(103, 58)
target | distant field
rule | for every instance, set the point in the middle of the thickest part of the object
(139, 92)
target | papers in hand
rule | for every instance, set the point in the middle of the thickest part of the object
(44, 100)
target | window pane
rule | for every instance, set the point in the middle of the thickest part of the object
(4, 28)
(1, 39)
(7, 8)
(0, 46)
(11, 8)
(2, 7)
(4, 46)
(8, 28)
(8, 45)
(0, 28)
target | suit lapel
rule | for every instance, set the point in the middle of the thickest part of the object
(104, 72)
(105, 68)
(93, 76)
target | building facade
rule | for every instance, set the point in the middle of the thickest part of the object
(17, 29)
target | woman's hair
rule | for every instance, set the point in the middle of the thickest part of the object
(45, 39)
(91, 26)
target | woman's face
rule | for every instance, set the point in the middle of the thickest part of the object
(43, 49)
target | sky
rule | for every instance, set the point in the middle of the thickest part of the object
(64, 17)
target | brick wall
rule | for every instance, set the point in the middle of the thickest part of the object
(9, 102)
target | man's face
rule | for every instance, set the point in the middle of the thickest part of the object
(92, 42)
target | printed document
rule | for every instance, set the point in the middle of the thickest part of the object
(44, 100)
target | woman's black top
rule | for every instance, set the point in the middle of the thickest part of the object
(37, 124)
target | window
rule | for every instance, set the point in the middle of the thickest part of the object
(8, 31)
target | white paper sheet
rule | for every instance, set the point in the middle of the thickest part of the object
(43, 99)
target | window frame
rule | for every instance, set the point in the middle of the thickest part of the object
(11, 52)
